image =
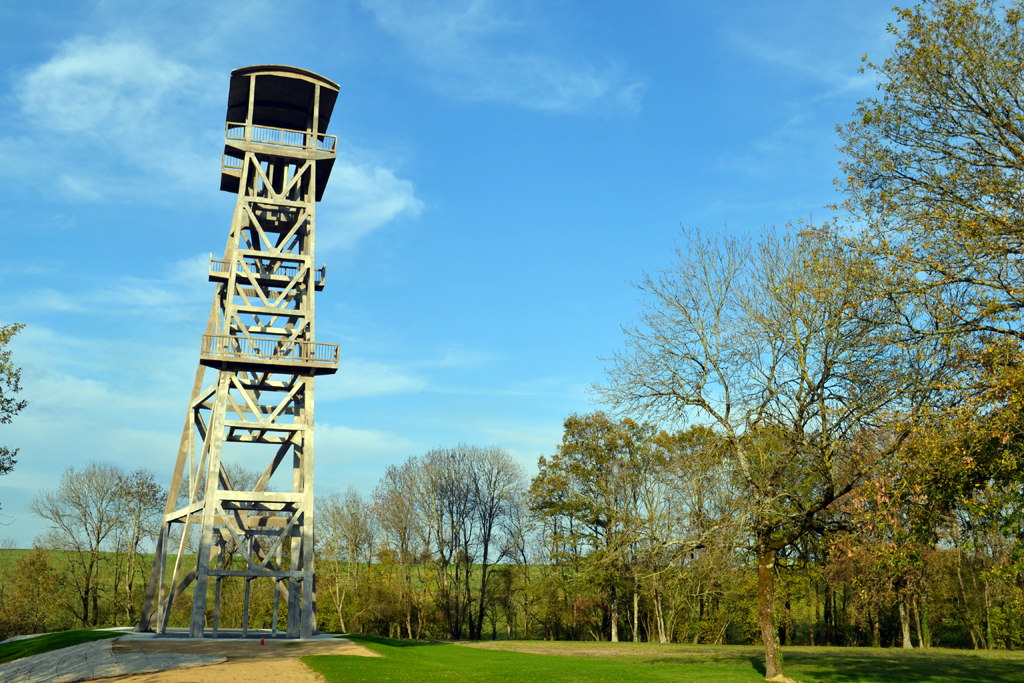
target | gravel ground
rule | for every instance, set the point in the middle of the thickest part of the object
(247, 660)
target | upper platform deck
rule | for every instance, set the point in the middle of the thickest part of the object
(287, 117)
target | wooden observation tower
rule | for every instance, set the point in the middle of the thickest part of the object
(260, 342)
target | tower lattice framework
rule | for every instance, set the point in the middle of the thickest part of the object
(260, 341)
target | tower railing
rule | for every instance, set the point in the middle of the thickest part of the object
(282, 137)
(257, 268)
(226, 347)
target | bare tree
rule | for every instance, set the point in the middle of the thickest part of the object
(83, 514)
(770, 347)
(466, 500)
(394, 508)
(347, 537)
(498, 483)
(140, 506)
(444, 496)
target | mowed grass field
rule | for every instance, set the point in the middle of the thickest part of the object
(528, 661)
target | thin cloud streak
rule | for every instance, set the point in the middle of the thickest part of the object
(459, 43)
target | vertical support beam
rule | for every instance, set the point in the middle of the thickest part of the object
(307, 514)
(277, 603)
(278, 587)
(252, 100)
(216, 593)
(160, 565)
(245, 608)
(294, 583)
(211, 501)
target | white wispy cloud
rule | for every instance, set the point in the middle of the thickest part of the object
(465, 44)
(117, 116)
(361, 198)
(107, 87)
(336, 443)
(122, 402)
(179, 294)
(349, 456)
(357, 377)
(114, 102)
(838, 75)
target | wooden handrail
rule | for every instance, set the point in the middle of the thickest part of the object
(217, 266)
(286, 137)
(269, 350)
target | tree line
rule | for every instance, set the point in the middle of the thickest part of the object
(626, 532)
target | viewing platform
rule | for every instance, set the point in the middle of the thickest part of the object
(260, 352)
(287, 113)
(279, 276)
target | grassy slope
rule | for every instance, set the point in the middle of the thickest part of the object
(51, 641)
(426, 663)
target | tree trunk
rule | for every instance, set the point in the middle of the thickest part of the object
(917, 618)
(766, 612)
(615, 615)
(788, 630)
(925, 625)
(905, 621)
(660, 616)
(94, 570)
(989, 640)
(829, 614)
(408, 594)
(812, 612)
(817, 615)
(636, 610)
(876, 630)
(483, 589)
(341, 617)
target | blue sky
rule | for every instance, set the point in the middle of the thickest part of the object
(505, 170)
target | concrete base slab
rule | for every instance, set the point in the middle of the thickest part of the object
(96, 660)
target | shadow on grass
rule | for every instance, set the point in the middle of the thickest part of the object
(914, 667)
(389, 642)
(758, 665)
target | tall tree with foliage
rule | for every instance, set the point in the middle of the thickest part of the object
(934, 166)
(771, 347)
(10, 384)
(934, 171)
(583, 492)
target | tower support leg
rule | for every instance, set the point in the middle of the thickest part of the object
(210, 505)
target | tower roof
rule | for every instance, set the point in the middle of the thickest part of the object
(284, 96)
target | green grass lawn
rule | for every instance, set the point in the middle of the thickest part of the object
(523, 661)
(51, 641)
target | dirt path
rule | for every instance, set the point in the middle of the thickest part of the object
(247, 660)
